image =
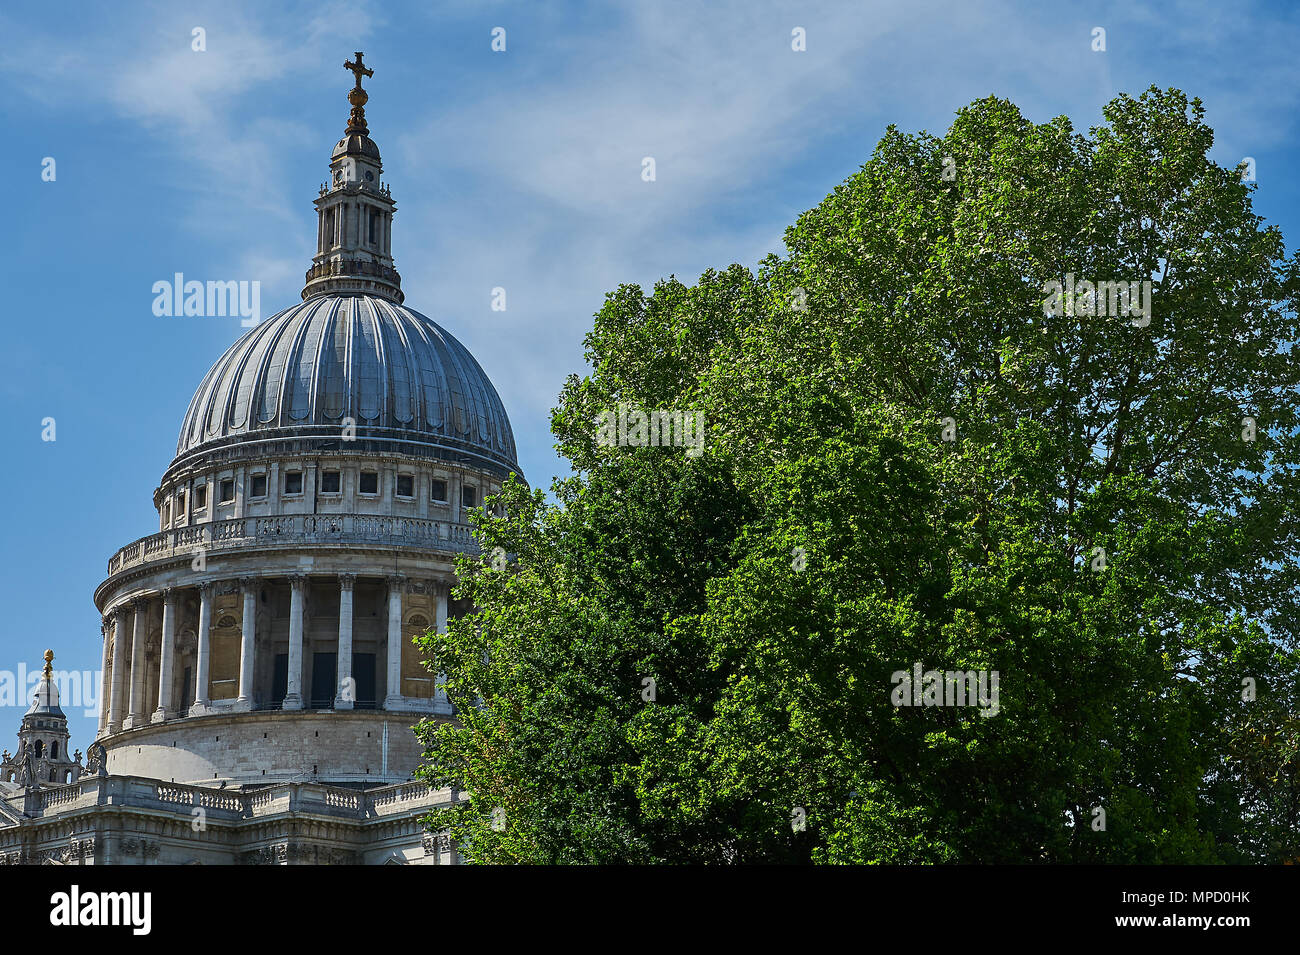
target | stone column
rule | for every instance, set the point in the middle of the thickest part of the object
(247, 643)
(440, 703)
(393, 696)
(119, 669)
(275, 487)
(346, 695)
(293, 689)
(140, 608)
(105, 680)
(203, 654)
(167, 658)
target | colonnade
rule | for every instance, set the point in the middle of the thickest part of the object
(125, 679)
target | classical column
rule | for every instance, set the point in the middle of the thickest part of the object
(247, 643)
(293, 690)
(105, 680)
(440, 626)
(140, 608)
(166, 662)
(203, 654)
(346, 694)
(119, 669)
(393, 697)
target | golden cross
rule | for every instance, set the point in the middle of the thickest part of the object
(358, 68)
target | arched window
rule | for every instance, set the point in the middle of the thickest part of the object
(54, 750)
(40, 748)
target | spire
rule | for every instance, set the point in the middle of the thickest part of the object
(355, 212)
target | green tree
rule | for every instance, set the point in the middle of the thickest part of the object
(911, 458)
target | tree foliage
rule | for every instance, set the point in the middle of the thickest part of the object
(830, 535)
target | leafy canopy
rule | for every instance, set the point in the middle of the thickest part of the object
(689, 659)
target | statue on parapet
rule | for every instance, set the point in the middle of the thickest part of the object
(97, 759)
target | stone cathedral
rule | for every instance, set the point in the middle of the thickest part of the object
(259, 678)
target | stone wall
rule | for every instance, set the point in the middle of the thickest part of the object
(265, 747)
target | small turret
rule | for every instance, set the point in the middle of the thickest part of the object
(43, 757)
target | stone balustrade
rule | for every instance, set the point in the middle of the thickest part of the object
(308, 530)
(232, 805)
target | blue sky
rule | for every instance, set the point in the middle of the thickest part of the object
(519, 169)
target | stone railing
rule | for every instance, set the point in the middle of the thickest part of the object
(396, 794)
(62, 796)
(303, 530)
(229, 804)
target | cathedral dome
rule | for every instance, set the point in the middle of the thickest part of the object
(329, 471)
(406, 383)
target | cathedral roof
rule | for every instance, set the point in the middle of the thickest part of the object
(403, 379)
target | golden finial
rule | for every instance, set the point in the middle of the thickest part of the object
(49, 663)
(357, 96)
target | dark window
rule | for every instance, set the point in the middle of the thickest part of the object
(468, 495)
(258, 488)
(323, 675)
(369, 482)
(40, 748)
(279, 679)
(363, 671)
(227, 490)
(200, 498)
(374, 217)
(54, 750)
(405, 485)
(180, 502)
(292, 482)
(330, 482)
(438, 491)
